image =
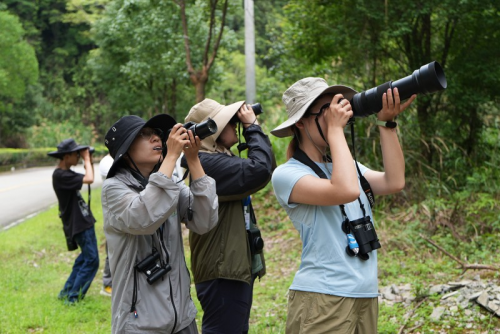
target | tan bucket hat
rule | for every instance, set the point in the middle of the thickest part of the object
(299, 96)
(221, 114)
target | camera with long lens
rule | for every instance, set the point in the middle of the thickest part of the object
(202, 130)
(255, 240)
(152, 268)
(364, 233)
(428, 79)
(257, 110)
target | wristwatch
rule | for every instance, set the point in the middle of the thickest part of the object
(387, 124)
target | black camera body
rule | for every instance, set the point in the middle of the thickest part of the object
(257, 110)
(202, 130)
(364, 233)
(255, 240)
(152, 269)
(429, 78)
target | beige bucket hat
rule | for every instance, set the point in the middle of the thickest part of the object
(221, 114)
(299, 96)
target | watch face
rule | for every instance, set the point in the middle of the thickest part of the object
(391, 124)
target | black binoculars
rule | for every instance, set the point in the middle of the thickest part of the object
(202, 130)
(257, 110)
(365, 235)
(429, 78)
(152, 268)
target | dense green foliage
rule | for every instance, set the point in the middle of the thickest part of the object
(18, 72)
(100, 60)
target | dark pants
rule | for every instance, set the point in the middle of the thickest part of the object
(226, 305)
(106, 275)
(84, 268)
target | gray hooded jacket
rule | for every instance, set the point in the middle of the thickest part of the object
(135, 220)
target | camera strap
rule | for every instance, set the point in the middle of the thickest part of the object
(364, 182)
(299, 155)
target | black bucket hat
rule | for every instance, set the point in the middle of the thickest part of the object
(121, 135)
(66, 146)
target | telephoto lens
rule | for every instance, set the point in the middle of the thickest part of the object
(428, 79)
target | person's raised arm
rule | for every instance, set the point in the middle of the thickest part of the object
(343, 185)
(392, 179)
(177, 139)
(191, 153)
(88, 165)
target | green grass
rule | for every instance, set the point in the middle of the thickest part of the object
(34, 265)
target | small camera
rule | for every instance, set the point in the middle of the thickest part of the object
(257, 110)
(152, 269)
(255, 240)
(71, 243)
(202, 130)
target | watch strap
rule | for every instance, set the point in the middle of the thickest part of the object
(387, 124)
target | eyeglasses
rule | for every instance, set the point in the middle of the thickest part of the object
(148, 133)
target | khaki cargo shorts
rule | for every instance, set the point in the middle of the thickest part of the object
(315, 313)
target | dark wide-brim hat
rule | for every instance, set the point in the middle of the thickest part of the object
(121, 135)
(66, 146)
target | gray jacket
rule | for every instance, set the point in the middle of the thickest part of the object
(132, 218)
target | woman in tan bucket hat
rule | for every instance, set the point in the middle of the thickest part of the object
(335, 289)
(226, 261)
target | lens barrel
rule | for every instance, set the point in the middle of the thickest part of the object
(203, 129)
(257, 110)
(428, 79)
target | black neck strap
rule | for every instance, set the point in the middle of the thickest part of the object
(364, 182)
(299, 155)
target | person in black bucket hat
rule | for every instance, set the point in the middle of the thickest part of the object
(144, 203)
(78, 221)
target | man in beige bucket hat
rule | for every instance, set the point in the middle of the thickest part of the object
(226, 261)
(335, 290)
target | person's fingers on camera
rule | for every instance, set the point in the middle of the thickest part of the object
(385, 104)
(390, 99)
(246, 114)
(85, 153)
(336, 101)
(191, 138)
(407, 103)
(176, 129)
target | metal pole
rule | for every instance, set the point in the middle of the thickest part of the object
(249, 51)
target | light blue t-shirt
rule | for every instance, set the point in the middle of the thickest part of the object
(325, 266)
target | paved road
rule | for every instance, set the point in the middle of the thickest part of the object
(26, 192)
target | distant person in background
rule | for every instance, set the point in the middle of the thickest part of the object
(78, 221)
(107, 286)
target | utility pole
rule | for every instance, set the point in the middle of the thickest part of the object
(249, 51)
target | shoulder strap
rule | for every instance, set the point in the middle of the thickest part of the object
(299, 155)
(364, 182)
